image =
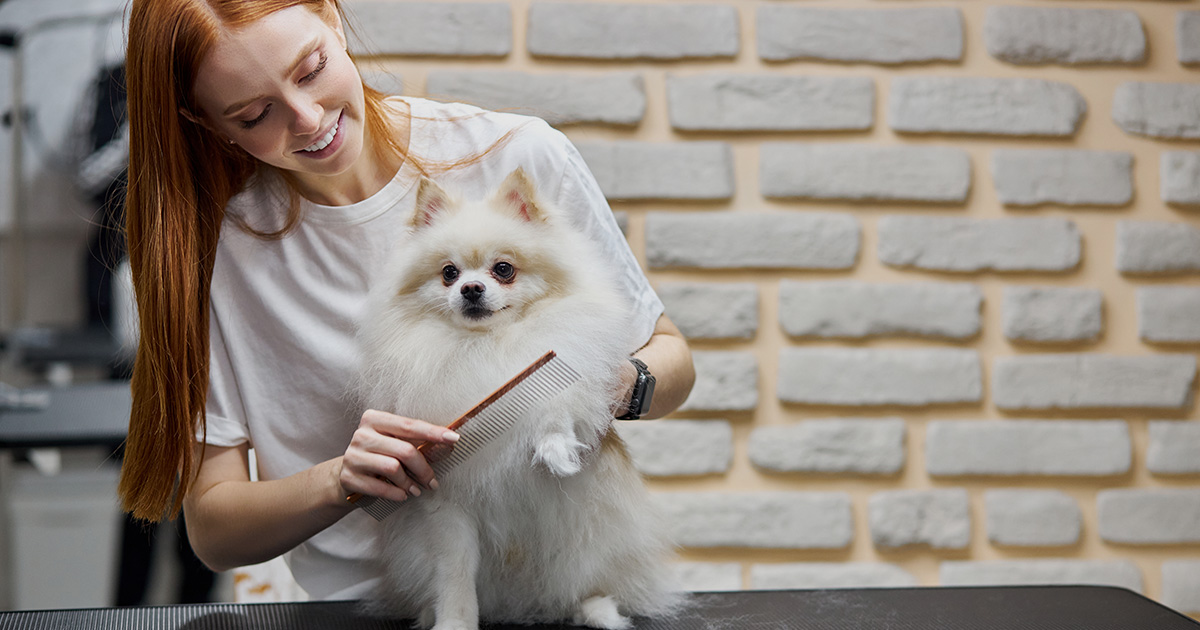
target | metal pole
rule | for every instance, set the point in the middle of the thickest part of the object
(16, 241)
(17, 259)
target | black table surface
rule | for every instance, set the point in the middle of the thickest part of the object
(78, 415)
(933, 608)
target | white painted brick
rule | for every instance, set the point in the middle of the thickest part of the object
(617, 98)
(851, 376)
(770, 520)
(1174, 448)
(964, 244)
(1169, 314)
(886, 36)
(1032, 518)
(657, 170)
(733, 102)
(632, 31)
(1022, 107)
(820, 575)
(1187, 36)
(708, 576)
(1052, 314)
(1028, 447)
(1082, 381)
(1149, 516)
(1179, 175)
(673, 448)
(857, 309)
(466, 29)
(1120, 573)
(938, 518)
(1031, 177)
(752, 240)
(1181, 585)
(836, 445)
(1157, 247)
(1159, 110)
(864, 171)
(725, 381)
(1039, 35)
(712, 310)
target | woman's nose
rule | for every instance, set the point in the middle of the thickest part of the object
(306, 117)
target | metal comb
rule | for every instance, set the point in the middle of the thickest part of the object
(487, 421)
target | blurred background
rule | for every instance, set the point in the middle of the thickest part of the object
(939, 263)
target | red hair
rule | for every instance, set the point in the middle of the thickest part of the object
(181, 176)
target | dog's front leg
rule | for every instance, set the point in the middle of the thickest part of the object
(559, 449)
(457, 603)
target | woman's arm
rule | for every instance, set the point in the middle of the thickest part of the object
(234, 522)
(670, 361)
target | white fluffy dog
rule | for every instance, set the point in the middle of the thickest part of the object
(550, 522)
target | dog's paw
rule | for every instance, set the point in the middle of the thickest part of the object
(560, 454)
(600, 612)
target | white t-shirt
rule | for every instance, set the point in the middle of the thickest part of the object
(284, 312)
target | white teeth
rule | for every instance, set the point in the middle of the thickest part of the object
(323, 142)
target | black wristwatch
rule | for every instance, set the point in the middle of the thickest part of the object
(643, 392)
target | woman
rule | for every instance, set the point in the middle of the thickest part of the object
(252, 113)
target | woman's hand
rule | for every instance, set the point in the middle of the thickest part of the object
(382, 459)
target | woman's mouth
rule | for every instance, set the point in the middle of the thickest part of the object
(327, 144)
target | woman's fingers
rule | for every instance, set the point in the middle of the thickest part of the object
(384, 447)
(408, 429)
(376, 475)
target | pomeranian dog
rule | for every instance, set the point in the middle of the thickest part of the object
(550, 522)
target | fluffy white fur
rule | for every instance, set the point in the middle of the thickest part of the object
(552, 522)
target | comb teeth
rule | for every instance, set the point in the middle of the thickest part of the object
(491, 422)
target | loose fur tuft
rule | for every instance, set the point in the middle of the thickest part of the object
(552, 522)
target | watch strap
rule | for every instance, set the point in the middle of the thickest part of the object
(643, 391)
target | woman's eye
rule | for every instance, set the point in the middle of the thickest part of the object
(503, 270)
(320, 66)
(449, 273)
(249, 124)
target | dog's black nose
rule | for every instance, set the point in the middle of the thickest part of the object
(473, 290)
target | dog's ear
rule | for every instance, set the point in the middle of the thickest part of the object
(517, 194)
(431, 201)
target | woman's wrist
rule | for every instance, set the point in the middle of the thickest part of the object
(627, 380)
(332, 493)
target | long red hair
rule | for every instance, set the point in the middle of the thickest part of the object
(181, 176)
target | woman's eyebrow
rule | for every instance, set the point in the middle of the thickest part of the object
(304, 53)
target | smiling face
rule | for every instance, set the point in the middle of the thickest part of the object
(285, 90)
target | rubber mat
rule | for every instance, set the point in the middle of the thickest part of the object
(985, 608)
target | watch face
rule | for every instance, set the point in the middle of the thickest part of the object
(647, 395)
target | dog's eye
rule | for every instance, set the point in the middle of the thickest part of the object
(449, 274)
(503, 270)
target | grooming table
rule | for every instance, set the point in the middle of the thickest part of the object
(981, 608)
(92, 414)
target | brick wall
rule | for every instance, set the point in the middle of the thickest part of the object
(938, 263)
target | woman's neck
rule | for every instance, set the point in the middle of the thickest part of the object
(370, 173)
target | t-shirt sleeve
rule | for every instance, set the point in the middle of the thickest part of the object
(580, 194)
(225, 424)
